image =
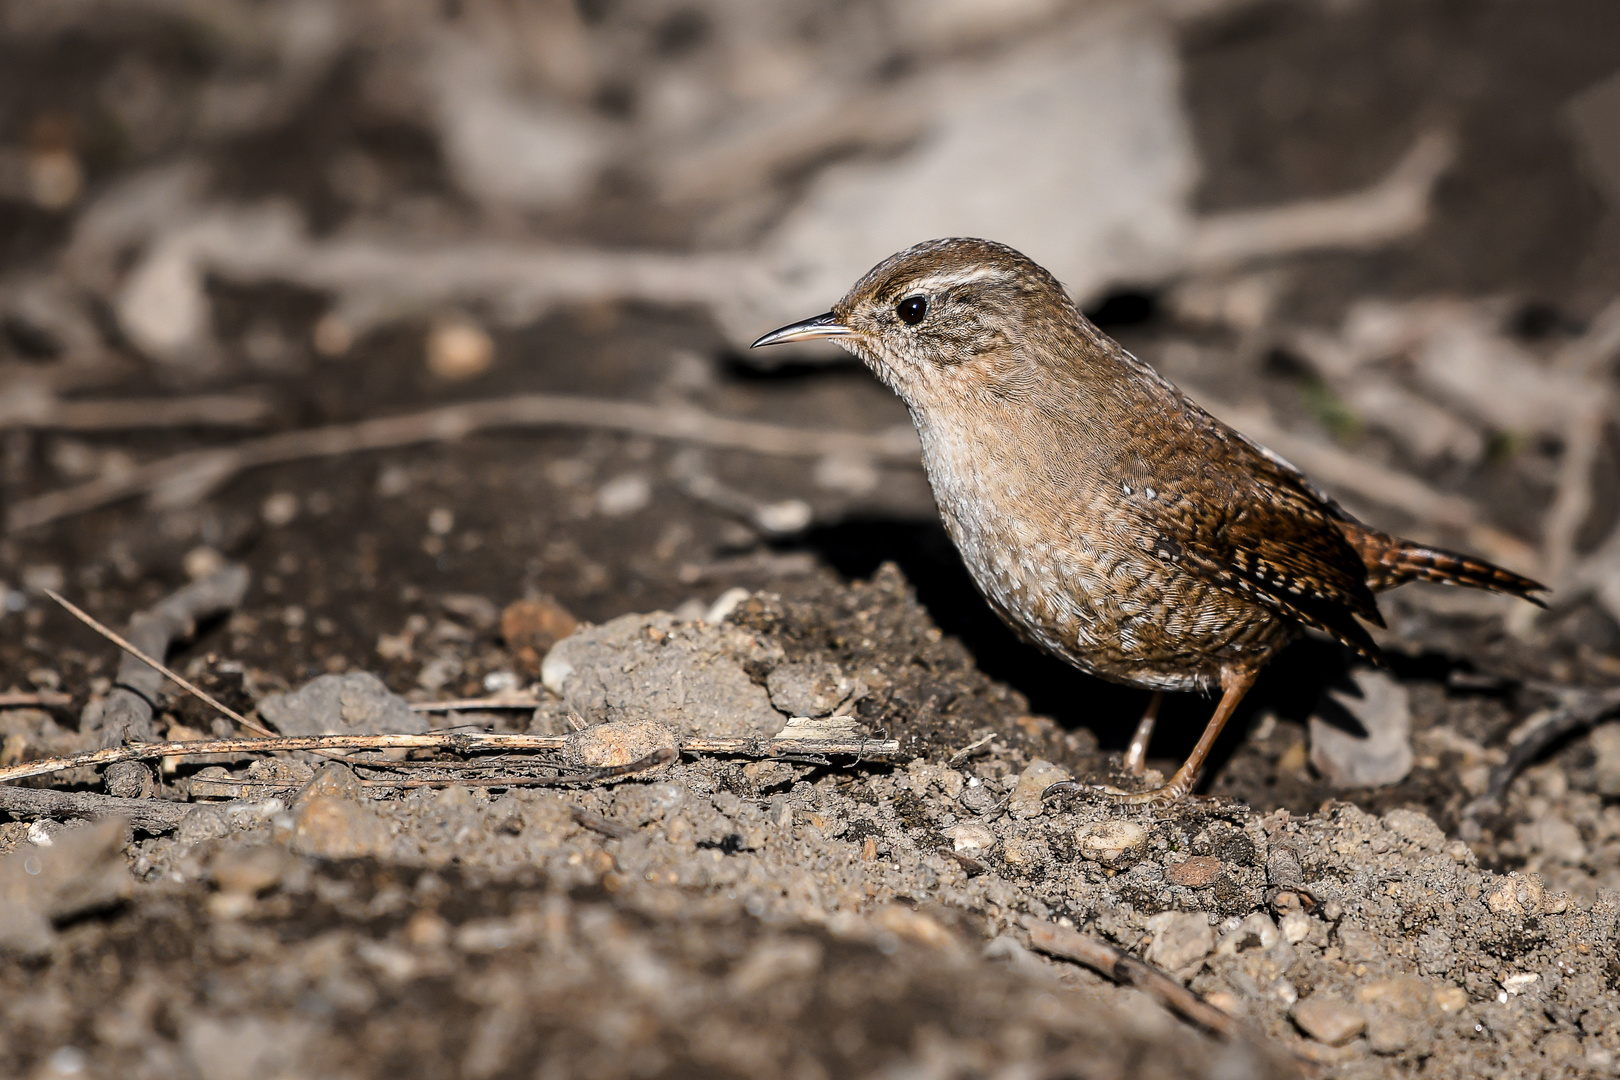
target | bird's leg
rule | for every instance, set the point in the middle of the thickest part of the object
(1234, 684)
(1136, 756)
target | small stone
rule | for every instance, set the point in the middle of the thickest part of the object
(279, 509)
(977, 796)
(617, 743)
(202, 823)
(1514, 985)
(1327, 1019)
(335, 779)
(1605, 743)
(1384, 754)
(1112, 843)
(354, 703)
(970, 838)
(201, 562)
(459, 349)
(1037, 776)
(1180, 939)
(809, 688)
(1194, 873)
(330, 827)
(80, 870)
(1517, 895)
(1256, 931)
(1295, 927)
(1553, 837)
(1398, 1017)
(1450, 999)
(531, 627)
(623, 495)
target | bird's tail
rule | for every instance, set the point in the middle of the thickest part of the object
(1392, 561)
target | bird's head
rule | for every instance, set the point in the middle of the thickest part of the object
(948, 319)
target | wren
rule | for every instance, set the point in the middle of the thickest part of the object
(1106, 517)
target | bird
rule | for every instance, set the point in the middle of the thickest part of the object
(1105, 516)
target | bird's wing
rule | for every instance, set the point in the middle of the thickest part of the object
(1271, 537)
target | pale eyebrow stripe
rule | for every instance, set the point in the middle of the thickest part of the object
(952, 278)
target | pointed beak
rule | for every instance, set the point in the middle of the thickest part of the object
(822, 326)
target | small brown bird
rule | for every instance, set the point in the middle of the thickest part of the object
(1106, 517)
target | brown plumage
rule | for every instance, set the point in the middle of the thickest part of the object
(1104, 515)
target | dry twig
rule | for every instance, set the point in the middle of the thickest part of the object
(1576, 710)
(188, 476)
(157, 665)
(19, 699)
(462, 742)
(488, 704)
(45, 411)
(149, 815)
(1396, 206)
(1117, 964)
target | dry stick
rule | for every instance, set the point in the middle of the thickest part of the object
(157, 665)
(474, 705)
(1117, 964)
(205, 410)
(16, 699)
(150, 815)
(460, 742)
(597, 823)
(1589, 356)
(662, 756)
(193, 473)
(1576, 711)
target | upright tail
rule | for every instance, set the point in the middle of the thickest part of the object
(1392, 561)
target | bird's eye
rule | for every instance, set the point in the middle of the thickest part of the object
(911, 310)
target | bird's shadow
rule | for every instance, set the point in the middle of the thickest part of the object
(1293, 687)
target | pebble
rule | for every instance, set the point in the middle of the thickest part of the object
(1112, 843)
(1295, 927)
(531, 627)
(354, 703)
(1384, 754)
(970, 838)
(330, 827)
(335, 779)
(1518, 894)
(81, 870)
(1327, 1019)
(1256, 931)
(279, 509)
(1037, 776)
(1605, 743)
(1398, 1014)
(977, 796)
(809, 688)
(617, 743)
(459, 349)
(1195, 872)
(1180, 939)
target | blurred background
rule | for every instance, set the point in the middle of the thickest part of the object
(1382, 236)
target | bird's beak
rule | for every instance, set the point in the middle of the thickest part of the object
(822, 326)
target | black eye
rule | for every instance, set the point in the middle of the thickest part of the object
(911, 310)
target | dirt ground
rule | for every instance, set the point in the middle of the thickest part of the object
(739, 915)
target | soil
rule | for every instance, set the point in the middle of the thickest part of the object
(729, 917)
